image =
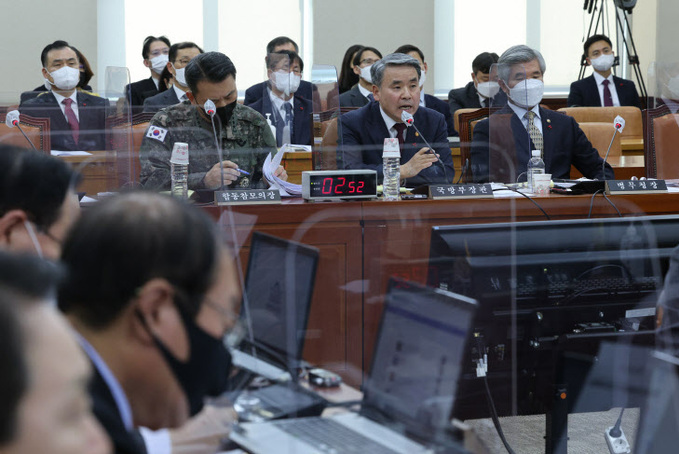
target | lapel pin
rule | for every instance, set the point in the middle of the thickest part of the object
(417, 134)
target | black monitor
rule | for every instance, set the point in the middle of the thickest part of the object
(545, 288)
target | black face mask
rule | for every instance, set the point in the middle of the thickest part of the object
(225, 112)
(206, 372)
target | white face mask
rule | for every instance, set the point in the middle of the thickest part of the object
(423, 78)
(488, 89)
(65, 78)
(527, 93)
(180, 76)
(673, 87)
(285, 82)
(603, 63)
(365, 74)
(158, 63)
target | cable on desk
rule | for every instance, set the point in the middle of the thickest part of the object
(591, 203)
(529, 198)
(494, 417)
(612, 204)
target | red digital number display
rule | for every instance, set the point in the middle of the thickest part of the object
(339, 186)
(348, 185)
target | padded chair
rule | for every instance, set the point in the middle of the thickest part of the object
(634, 130)
(456, 116)
(36, 129)
(465, 122)
(600, 135)
(126, 138)
(328, 129)
(661, 142)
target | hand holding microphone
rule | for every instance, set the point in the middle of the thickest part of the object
(409, 121)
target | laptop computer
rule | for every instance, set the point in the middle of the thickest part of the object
(410, 389)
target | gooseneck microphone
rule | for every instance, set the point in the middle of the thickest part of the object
(464, 170)
(409, 121)
(211, 109)
(12, 120)
(619, 124)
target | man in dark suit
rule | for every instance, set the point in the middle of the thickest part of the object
(180, 56)
(287, 111)
(154, 331)
(396, 89)
(258, 91)
(481, 91)
(503, 143)
(77, 119)
(429, 101)
(361, 93)
(602, 88)
(155, 52)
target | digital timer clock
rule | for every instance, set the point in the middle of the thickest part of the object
(339, 184)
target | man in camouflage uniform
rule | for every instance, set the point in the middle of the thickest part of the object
(244, 134)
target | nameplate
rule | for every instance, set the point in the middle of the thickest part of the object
(247, 196)
(460, 191)
(635, 186)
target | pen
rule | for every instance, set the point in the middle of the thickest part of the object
(243, 171)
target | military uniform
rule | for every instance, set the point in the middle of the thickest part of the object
(246, 141)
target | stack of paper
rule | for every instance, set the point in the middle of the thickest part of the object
(286, 189)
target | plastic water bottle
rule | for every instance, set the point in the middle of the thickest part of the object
(179, 168)
(391, 159)
(535, 166)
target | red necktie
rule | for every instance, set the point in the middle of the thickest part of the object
(400, 127)
(72, 119)
(608, 98)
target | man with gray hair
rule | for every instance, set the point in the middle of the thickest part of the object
(396, 89)
(502, 144)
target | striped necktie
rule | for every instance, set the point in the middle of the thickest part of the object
(535, 134)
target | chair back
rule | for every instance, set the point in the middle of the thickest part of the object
(458, 112)
(126, 138)
(632, 115)
(467, 119)
(600, 135)
(662, 137)
(36, 129)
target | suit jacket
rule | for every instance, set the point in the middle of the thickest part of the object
(507, 156)
(25, 96)
(138, 91)
(92, 113)
(364, 131)
(258, 91)
(468, 98)
(162, 99)
(434, 103)
(353, 98)
(106, 411)
(585, 93)
(301, 120)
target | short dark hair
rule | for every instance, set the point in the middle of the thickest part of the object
(210, 66)
(408, 48)
(274, 58)
(179, 46)
(56, 45)
(35, 183)
(359, 54)
(150, 40)
(123, 242)
(593, 39)
(484, 61)
(24, 279)
(279, 41)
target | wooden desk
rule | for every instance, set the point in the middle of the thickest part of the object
(362, 244)
(98, 171)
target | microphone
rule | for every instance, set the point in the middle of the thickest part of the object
(409, 121)
(619, 125)
(211, 109)
(12, 120)
(464, 170)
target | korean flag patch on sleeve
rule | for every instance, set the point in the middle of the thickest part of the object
(155, 132)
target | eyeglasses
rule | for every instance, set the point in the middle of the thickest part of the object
(235, 335)
(368, 62)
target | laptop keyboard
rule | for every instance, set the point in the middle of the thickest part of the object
(331, 437)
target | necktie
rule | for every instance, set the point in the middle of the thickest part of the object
(72, 119)
(534, 132)
(400, 128)
(371, 97)
(608, 98)
(288, 116)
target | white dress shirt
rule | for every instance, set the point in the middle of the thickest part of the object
(74, 104)
(181, 94)
(521, 113)
(611, 86)
(363, 91)
(389, 122)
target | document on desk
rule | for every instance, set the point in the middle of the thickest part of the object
(69, 153)
(270, 165)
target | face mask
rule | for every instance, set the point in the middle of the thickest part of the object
(423, 78)
(34, 238)
(206, 372)
(158, 63)
(488, 89)
(603, 63)
(673, 87)
(65, 78)
(285, 82)
(180, 76)
(224, 113)
(365, 74)
(527, 93)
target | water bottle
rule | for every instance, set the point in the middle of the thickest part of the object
(391, 158)
(535, 166)
(179, 168)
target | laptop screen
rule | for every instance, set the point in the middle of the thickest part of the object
(418, 356)
(278, 286)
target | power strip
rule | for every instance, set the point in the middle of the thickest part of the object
(617, 445)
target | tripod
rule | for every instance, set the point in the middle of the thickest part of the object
(599, 14)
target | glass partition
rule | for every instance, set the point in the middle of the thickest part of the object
(327, 136)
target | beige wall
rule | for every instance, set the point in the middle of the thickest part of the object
(666, 31)
(340, 24)
(29, 25)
